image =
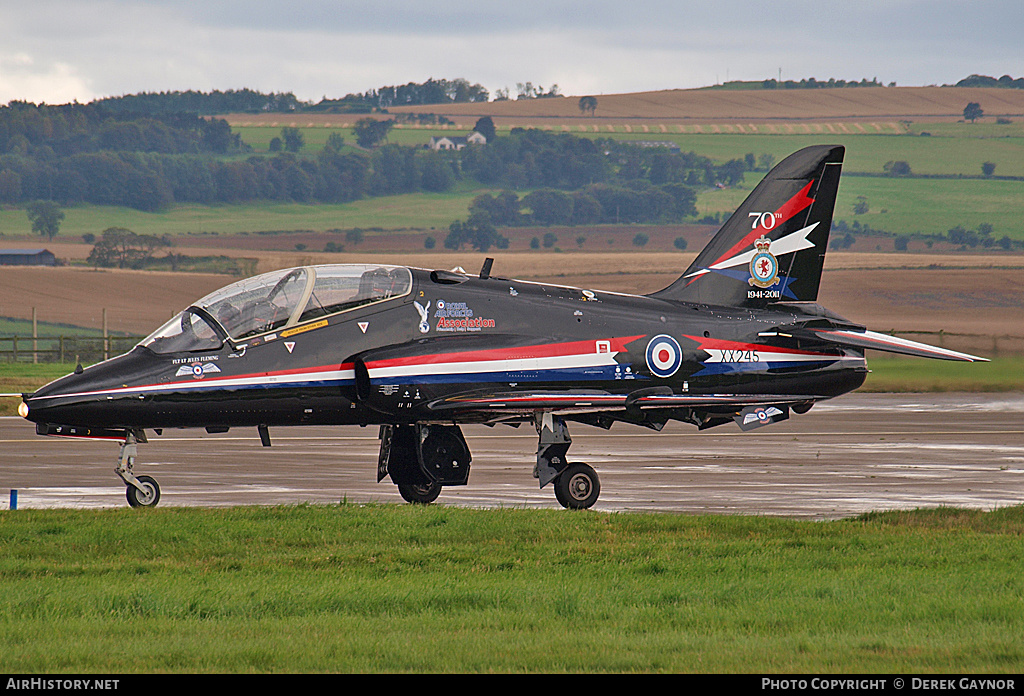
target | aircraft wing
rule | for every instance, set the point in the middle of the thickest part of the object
(890, 344)
(576, 401)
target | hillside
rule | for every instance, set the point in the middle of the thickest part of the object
(694, 106)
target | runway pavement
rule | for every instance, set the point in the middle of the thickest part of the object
(858, 453)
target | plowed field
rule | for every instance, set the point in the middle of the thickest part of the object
(876, 108)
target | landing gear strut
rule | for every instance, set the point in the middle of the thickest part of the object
(142, 491)
(576, 484)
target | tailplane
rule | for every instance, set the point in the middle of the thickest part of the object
(772, 249)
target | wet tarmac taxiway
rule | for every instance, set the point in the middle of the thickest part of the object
(858, 453)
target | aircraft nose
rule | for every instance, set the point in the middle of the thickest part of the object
(45, 404)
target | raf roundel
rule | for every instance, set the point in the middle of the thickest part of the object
(664, 356)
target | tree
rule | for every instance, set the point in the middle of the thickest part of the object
(988, 168)
(680, 243)
(370, 132)
(485, 127)
(549, 206)
(436, 172)
(588, 105)
(684, 201)
(896, 168)
(477, 231)
(335, 141)
(125, 249)
(973, 111)
(963, 237)
(10, 186)
(45, 217)
(861, 206)
(292, 137)
(526, 90)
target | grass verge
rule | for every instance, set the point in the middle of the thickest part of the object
(892, 374)
(387, 588)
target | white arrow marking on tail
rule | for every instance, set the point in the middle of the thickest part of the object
(796, 241)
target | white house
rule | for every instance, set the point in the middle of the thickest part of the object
(456, 142)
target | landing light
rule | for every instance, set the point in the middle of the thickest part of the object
(23, 409)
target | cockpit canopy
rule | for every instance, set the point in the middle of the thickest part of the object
(275, 301)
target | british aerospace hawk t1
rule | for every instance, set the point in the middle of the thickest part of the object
(738, 338)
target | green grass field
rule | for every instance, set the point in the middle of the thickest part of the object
(419, 211)
(898, 205)
(259, 137)
(959, 151)
(907, 206)
(401, 588)
(902, 206)
(894, 374)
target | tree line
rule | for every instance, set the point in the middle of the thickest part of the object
(987, 81)
(82, 154)
(410, 94)
(45, 132)
(205, 103)
(811, 83)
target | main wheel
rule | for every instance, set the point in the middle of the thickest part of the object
(577, 487)
(422, 493)
(149, 496)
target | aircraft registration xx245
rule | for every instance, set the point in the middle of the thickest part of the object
(738, 337)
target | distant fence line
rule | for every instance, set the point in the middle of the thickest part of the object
(64, 349)
(90, 349)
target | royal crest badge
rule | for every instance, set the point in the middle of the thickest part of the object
(764, 267)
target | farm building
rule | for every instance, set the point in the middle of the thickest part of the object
(667, 144)
(456, 142)
(27, 257)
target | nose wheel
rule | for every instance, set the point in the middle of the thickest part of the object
(142, 491)
(147, 495)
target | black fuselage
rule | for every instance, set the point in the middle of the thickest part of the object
(393, 361)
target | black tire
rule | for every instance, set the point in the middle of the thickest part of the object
(419, 493)
(577, 487)
(147, 498)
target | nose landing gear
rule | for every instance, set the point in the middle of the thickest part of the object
(142, 491)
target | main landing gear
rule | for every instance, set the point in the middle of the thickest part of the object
(142, 491)
(576, 484)
(421, 459)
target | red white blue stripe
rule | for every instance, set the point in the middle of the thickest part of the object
(575, 360)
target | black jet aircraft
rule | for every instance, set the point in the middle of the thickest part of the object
(737, 338)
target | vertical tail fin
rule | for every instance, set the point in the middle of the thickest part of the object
(772, 249)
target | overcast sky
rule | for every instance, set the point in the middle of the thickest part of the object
(62, 50)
